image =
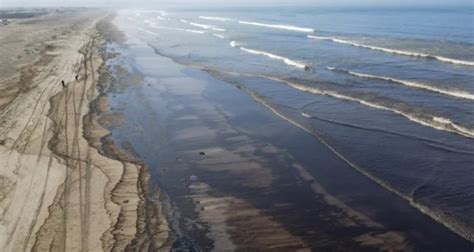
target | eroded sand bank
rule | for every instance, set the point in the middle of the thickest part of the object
(57, 192)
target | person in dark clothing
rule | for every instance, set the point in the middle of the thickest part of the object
(63, 83)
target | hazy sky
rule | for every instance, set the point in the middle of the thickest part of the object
(203, 3)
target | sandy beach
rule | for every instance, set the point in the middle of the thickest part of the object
(57, 192)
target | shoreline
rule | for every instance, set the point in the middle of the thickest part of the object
(148, 211)
(221, 195)
(165, 160)
(462, 229)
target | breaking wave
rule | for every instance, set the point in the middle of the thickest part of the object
(453, 93)
(435, 122)
(305, 115)
(452, 222)
(287, 61)
(194, 31)
(427, 120)
(207, 27)
(279, 26)
(223, 19)
(217, 35)
(427, 141)
(399, 52)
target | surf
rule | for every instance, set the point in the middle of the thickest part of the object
(453, 93)
(450, 221)
(279, 26)
(287, 61)
(435, 122)
(207, 27)
(223, 19)
(394, 51)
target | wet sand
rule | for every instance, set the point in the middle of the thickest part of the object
(237, 175)
(58, 192)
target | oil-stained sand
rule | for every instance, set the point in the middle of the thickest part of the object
(239, 176)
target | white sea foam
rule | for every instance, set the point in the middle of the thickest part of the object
(160, 18)
(279, 26)
(201, 25)
(394, 51)
(195, 31)
(272, 56)
(223, 19)
(434, 122)
(453, 93)
(207, 27)
(217, 35)
(446, 219)
(277, 57)
(305, 115)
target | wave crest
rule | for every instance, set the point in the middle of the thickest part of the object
(435, 122)
(399, 52)
(207, 27)
(223, 19)
(287, 61)
(279, 26)
(453, 93)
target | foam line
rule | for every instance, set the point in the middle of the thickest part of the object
(279, 26)
(287, 61)
(439, 123)
(223, 19)
(453, 93)
(398, 52)
(207, 27)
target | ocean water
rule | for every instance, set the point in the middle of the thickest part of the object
(389, 91)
